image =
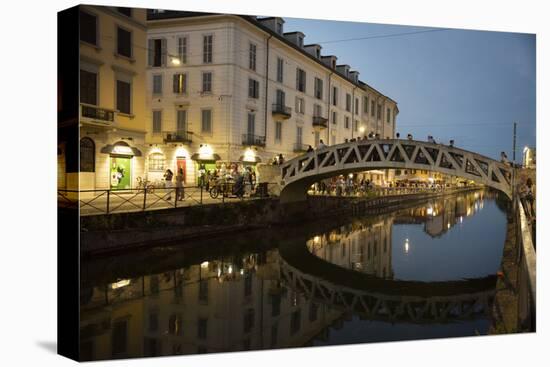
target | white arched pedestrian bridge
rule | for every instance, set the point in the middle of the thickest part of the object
(361, 155)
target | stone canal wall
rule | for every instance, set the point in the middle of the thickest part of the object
(130, 231)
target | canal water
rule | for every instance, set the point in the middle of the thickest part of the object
(427, 271)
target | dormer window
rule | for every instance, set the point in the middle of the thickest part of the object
(318, 53)
(280, 27)
(334, 64)
(300, 41)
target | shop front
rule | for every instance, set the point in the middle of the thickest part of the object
(205, 163)
(121, 164)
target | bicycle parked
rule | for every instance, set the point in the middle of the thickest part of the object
(145, 184)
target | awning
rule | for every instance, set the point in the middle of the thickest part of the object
(205, 158)
(250, 160)
(121, 149)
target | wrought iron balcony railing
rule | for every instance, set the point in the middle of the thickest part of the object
(255, 140)
(96, 114)
(320, 122)
(177, 136)
(281, 110)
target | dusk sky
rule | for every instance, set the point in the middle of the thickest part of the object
(469, 86)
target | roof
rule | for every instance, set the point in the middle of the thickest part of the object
(174, 14)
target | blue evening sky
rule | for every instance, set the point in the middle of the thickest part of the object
(469, 86)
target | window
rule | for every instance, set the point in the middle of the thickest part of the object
(124, 42)
(317, 137)
(356, 106)
(125, 11)
(123, 96)
(348, 102)
(366, 105)
(253, 89)
(300, 41)
(248, 323)
(182, 49)
(88, 87)
(317, 110)
(355, 125)
(181, 122)
(202, 328)
(280, 69)
(156, 162)
(280, 98)
(299, 131)
(301, 80)
(157, 52)
(252, 57)
(87, 155)
(88, 28)
(279, 27)
(157, 84)
(203, 290)
(207, 49)
(388, 115)
(119, 337)
(180, 83)
(372, 108)
(300, 105)
(251, 124)
(274, 332)
(157, 122)
(175, 325)
(334, 117)
(295, 321)
(379, 112)
(318, 88)
(333, 138)
(346, 122)
(334, 96)
(206, 121)
(207, 82)
(278, 131)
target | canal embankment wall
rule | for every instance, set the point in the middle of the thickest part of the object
(105, 234)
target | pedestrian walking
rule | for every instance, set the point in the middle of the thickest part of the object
(168, 175)
(281, 159)
(321, 144)
(309, 148)
(179, 185)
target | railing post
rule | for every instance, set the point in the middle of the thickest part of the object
(144, 197)
(176, 198)
(108, 199)
(201, 194)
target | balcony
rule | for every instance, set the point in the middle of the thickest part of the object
(300, 148)
(177, 137)
(96, 115)
(254, 140)
(281, 111)
(320, 122)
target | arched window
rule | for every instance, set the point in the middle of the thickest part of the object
(156, 162)
(87, 155)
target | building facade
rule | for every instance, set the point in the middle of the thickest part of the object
(239, 90)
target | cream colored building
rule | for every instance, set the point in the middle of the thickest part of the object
(112, 97)
(239, 88)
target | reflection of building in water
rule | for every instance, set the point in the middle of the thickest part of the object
(442, 214)
(363, 248)
(216, 306)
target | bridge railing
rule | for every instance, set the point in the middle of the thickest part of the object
(527, 267)
(108, 201)
(379, 191)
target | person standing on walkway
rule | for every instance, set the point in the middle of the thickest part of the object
(321, 144)
(168, 175)
(179, 185)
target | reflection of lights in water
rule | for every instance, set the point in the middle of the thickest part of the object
(448, 225)
(406, 245)
(476, 206)
(461, 219)
(120, 284)
(316, 239)
(230, 269)
(242, 271)
(430, 210)
(204, 265)
(219, 272)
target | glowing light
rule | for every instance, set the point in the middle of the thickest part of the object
(460, 219)
(406, 245)
(430, 210)
(175, 61)
(316, 239)
(219, 272)
(205, 151)
(242, 271)
(249, 155)
(525, 149)
(230, 269)
(350, 175)
(362, 129)
(122, 149)
(204, 265)
(182, 152)
(448, 225)
(120, 284)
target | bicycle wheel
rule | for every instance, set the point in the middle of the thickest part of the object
(150, 189)
(214, 192)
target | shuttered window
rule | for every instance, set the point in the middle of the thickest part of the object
(157, 52)
(179, 83)
(123, 96)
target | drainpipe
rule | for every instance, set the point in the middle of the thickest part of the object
(328, 108)
(266, 82)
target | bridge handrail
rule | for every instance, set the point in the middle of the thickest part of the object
(527, 264)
